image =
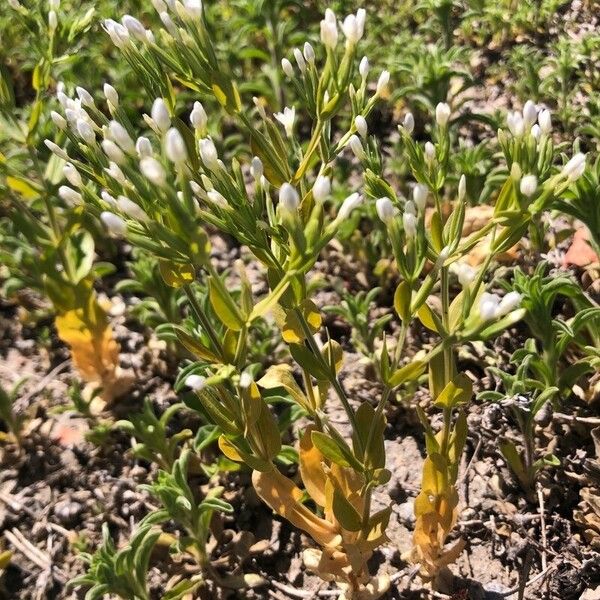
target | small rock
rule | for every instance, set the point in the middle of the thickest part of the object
(66, 511)
(406, 512)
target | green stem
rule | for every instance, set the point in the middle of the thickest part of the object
(202, 318)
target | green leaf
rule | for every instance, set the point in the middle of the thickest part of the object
(224, 306)
(344, 512)
(410, 372)
(328, 447)
(458, 391)
(402, 298)
(307, 360)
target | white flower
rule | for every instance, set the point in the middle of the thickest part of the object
(160, 115)
(256, 168)
(117, 32)
(159, 6)
(58, 120)
(515, 123)
(72, 175)
(153, 170)
(309, 53)
(409, 222)
(245, 380)
(287, 118)
(348, 205)
(361, 126)
(217, 198)
(410, 207)
(363, 67)
(143, 147)
(464, 272)
(84, 129)
(356, 147)
(111, 95)
(351, 30)
(300, 60)
(69, 195)
(536, 132)
(193, 8)
(134, 27)
(287, 67)
(488, 306)
(420, 193)
(175, 146)
(574, 169)
(55, 149)
(382, 82)
(321, 188)
(508, 303)
(208, 154)
(528, 185)
(62, 97)
(131, 209)
(361, 17)
(289, 199)
(115, 225)
(52, 20)
(115, 172)
(442, 114)
(429, 152)
(329, 32)
(119, 134)
(409, 123)
(54, 4)
(113, 152)
(85, 97)
(195, 382)
(198, 118)
(386, 211)
(462, 188)
(529, 114)
(545, 121)
(168, 23)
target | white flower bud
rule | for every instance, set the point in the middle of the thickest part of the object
(287, 67)
(195, 382)
(117, 32)
(110, 200)
(160, 115)
(309, 54)
(159, 6)
(442, 114)
(134, 27)
(119, 134)
(515, 123)
(409, 222)
(488, 306)
(287, 118)
(536, 132)
(175, 146)
(574, 169)
(193, 8)
(115, 225)
(168, 23)
(361, 126)
(111, 95)
(289, 199)
(464, 272)
(131, 209)
(55, 149)
(528, 185)
(84, 129)
(351, 30)
(52, 20)
(54, 4)
(420, 193)
(529, 114)
(410, 207)
(58, 120)
(72, 175)
(462, 188)
(545, 121)
(115, 172)
(63, 98)
(321, 188)
(85, 97)
(409, 123)
(113, 152)
(429, 152)
(329, 32)
(143, 147)
(386, 211)
(153, 170)
(361, 17)
(348, 205)
(69, 195)
(217, 198)
(356, 147)
(300, 60)
(363, 67)
(382, 82)
(508, 303)
(208, 154)
(256, 168)
(198, 117)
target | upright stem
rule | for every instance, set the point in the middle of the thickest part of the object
(206, 324)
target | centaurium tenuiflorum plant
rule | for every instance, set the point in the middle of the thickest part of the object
(160, 190)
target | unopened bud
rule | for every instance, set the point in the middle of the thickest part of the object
(160, 115)
(153, 170)
(175, 146)
(115, 225)
(361, 126)
(289, 199)
(321, 188)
